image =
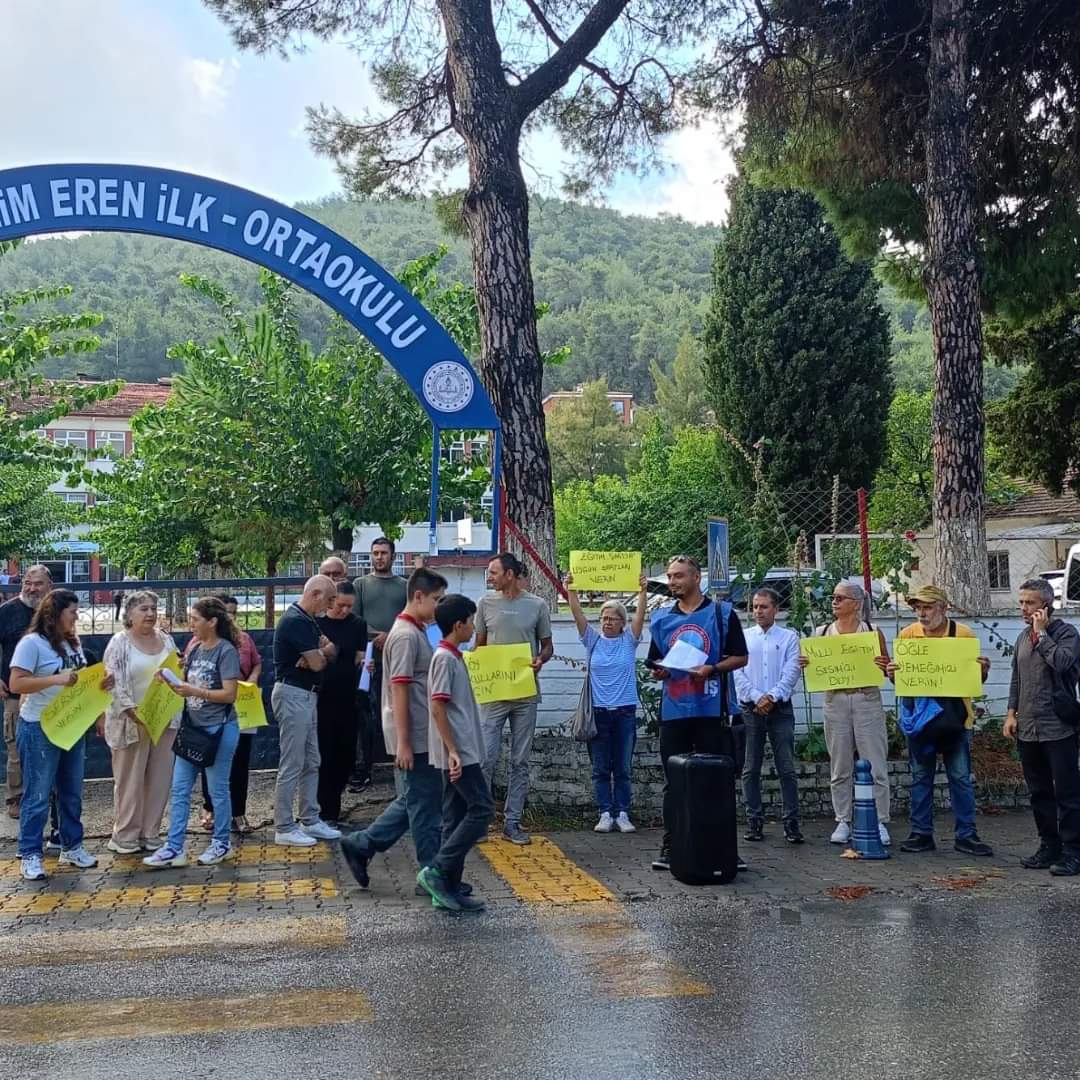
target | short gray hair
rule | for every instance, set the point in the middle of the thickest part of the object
(134, 599)
(614, 605)
(1042, 587)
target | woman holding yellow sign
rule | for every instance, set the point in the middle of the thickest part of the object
(45, 663)
(141, 758)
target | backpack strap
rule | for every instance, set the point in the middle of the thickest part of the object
(952, 628)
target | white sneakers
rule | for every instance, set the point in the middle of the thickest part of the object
(77, 856)
(294, 837)
(623, 823)
(321, 831)
(123, 849)
(164, 858)
(886, 839)
(841, 834)
(32, 869)
(215, 853)
(605, 824)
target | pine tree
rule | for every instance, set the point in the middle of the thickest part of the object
(681, 397)
(796, 346)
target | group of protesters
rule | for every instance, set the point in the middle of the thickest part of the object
(420, 710)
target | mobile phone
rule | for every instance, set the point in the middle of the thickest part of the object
(170, 677)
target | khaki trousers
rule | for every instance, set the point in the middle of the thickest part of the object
(14, 769)
(855, 720)
(142, 775)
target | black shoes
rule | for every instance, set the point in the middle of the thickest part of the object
(918, 842)
(755, 830)
(358, 857)
(1043, 859)
(740, 864)
(792, 833)
(1066, 866)
(972, 845)
(663, 860)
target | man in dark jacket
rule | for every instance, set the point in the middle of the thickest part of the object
(1043, 715)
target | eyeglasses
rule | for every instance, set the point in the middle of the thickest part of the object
(837, 597)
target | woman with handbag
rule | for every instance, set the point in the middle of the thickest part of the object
(208, 734)
(610, 694)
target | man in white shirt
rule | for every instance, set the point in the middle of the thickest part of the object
(764, 688)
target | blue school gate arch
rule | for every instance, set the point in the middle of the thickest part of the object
(130, 198)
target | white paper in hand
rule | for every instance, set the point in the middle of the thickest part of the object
(170, 677)
(682, 656)
(365, 674)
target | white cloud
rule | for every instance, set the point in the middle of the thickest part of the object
(211, 81)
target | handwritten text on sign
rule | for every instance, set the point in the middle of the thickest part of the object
(250, 713)
(67, 718)
(938, 667)
(841, 662)
(501, 673)
(159, 707)
(606, 571)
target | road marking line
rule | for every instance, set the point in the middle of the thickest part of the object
(142, 942)
(129, 1018)
(540, 873)
(223, 892)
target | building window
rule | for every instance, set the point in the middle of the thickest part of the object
(999, 569)
(114, 441)
(77, 440)
(75, 498)
(360, 564)
(619, 407)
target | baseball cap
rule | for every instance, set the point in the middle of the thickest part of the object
(928, 594)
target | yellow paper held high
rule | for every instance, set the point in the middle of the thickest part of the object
(67, 718)
(605, 571)
(842, 662)
(501, 673)
(937, 667)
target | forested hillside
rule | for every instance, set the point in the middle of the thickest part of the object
(621, 290)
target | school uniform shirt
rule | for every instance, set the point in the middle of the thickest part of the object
(448, 682)
(36, 655)
(406, 660)
(772, 666)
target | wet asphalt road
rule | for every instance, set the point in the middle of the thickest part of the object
(959, 986)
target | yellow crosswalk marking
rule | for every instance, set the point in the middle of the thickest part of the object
(540, 873)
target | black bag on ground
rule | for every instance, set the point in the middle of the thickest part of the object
(704, 847)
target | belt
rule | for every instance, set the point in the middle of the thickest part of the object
(297, 686)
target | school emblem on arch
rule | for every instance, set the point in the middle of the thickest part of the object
(448, 386)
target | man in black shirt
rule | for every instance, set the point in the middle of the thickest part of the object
(15, 616)
(337, 713)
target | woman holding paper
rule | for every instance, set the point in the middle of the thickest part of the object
(46, 661)
(141, 768)
(612, 675)
(855, 719)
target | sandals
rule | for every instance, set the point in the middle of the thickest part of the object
(206, 822)
(242, 825)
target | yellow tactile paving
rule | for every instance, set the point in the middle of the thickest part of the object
(131, 1018)
(540, 873)
(224, 892)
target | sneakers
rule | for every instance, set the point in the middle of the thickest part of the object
(841, 834)
(78, 856)
(123, 849)
(516, 834)
(149, 843)
(886, 839)
(434, 884)
(53, 843)
(792, 833)
(663, 860)
(1043, 859)
(468, 905)
(295, 837)
(919, 842)
(321, 831)
(31, 868)
(1066, 866)
(972, 845)
(740, 864)
(755, 830)
(605, 824)
(215, 853)
(358, 784)
(358, 857)
(623, 822)
(164, 858)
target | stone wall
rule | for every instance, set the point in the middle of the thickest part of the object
(560, 783)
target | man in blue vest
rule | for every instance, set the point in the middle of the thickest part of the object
(696, 703)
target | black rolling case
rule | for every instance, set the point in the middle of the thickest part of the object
(704, 847)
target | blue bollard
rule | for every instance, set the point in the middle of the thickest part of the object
(865, 834)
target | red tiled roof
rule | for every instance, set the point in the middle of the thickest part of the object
(1036, 501)
(126, 404)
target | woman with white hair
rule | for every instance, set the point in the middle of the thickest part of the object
(142, 770)
(612, 675)
(855, 719)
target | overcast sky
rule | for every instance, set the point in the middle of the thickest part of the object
(146, 83)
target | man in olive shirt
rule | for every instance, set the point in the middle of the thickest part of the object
(510, 616)
(1043, 714)
(380, 599)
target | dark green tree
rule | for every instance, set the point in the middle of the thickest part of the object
(796, 346)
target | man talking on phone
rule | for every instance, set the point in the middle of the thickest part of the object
(1044, 715)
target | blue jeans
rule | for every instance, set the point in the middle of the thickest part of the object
(417, 808)
(45, 765)
(217, 778)
(779, 725)
(961, 789)
(612, 753)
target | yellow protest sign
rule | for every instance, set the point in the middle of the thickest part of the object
(249, 706)
(67, 718)
(841, 662)
(606, 571)
(501, 672)
(937, 667)
(160, 705)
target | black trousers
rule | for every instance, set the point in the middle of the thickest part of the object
(238, 778)
(370, 746)
(468, 809)
(695, 735)
(1053, 779)
(337, 724)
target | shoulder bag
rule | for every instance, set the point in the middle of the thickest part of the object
(196, 745)
(583, 722)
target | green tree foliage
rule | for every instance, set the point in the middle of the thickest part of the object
(30, 514)
(586, 437)
(681, 398)
(796, 345)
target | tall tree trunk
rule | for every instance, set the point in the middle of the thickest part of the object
(496, 218)
(269, 614)
(952, 285)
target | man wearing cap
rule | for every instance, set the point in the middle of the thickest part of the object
(951, 737)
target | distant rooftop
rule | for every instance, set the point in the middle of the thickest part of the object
(1036, 501)
(127, 403)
